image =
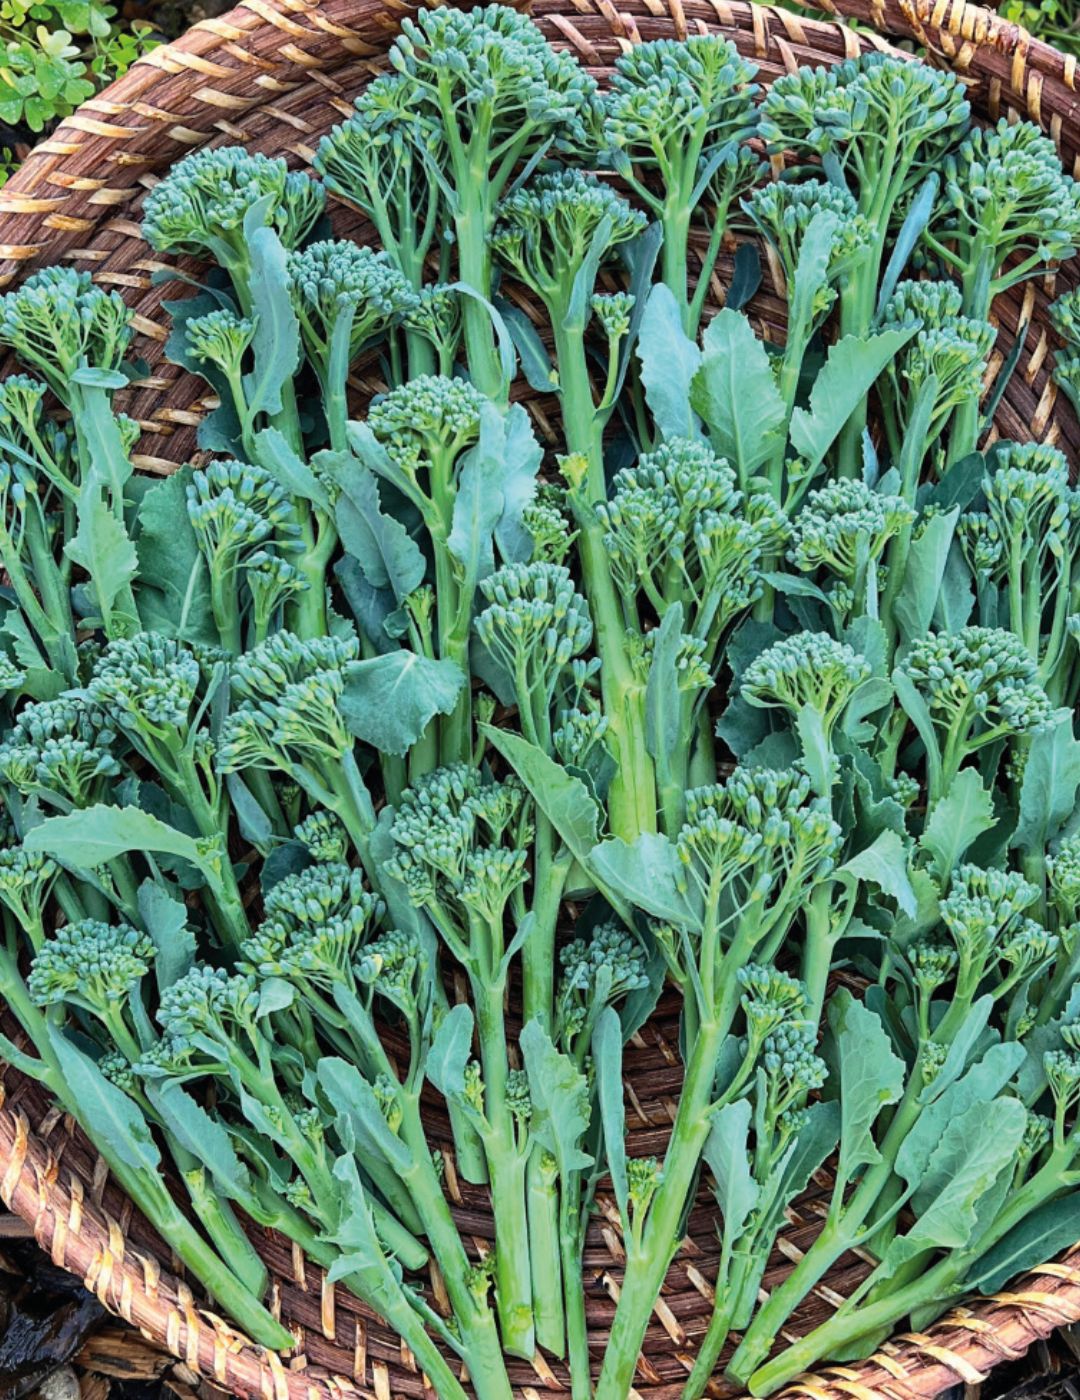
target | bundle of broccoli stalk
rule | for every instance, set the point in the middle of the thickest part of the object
(367, 784)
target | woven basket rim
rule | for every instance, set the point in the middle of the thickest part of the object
(66, 193)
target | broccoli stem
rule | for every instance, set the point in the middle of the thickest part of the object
(220, 1223)
(632, 796)
(58, 645)
(473, 224)
(977, 289)
(572, 1239)
(647, 1261)
(506, 1165)
(545, 1249)
(712, 1344)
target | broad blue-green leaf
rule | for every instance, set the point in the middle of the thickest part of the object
(384, 549)
(521, 458)
(90, 837)
(726, 1150)
(450, 1051)
(202, 1135)
(735, 393)
(915, 221)
(884, 864)
(961, 1048)
(535, 361)
(964, 813)
(1048, 790)
(165, 920)
(607, 1044)
(111, 1119)
(560, 1099)
(101, 545)
(646, 875)
(917, 600)
(390, 700)
(276, 346)
(1050, 1228)
(351, 1096)
(563, 799)
(669, 361)
(871, 1077)
(479, 504)
(174, 582)
(956, 600)
(290, 471)
(662, 709)
(980, 1084)
(973, 1151)
(850, 370)
(812, 269)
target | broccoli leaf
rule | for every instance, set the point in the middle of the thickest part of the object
(884, 864)
(276, 346)
(735, 393)
(964, 813)
(646, 875)
(871, 1077)
(174, 582)
(390, 700)
(106, 1113)
(101, 545)
(669, 362)
(1049, 786)
(165, 919)
(927, 560)
(850, 370)
(1052, 1227)
(89, 838)
(560, 1099)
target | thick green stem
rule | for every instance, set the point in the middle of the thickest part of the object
(545, 1252)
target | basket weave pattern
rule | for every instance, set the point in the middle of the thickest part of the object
(274, 75)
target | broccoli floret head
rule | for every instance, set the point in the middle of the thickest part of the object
(792, 1067)
(325, 837)
(1005, 191)
(668, 94)
(1063, 873)
(210, 1002)
(272, 582)
(147, 682)
(983, 911)
(234, 507)
(927, 304)
(808, 669)
(597, 971)
(395, 966)
(769, 999)
(57, 321)
(933, 962)
(1065, 317)
(979, 675)
(845, 525)
(26, 877)
(316, 924)
(60, 749)
(436, 314)
(492, 66)
(202, 204)
(784, 212)
(548, 525)
(338, 280)
(428, 418)
(90, 964)
(546, 230)
(221, 338)
(535, 622)
(285, 693)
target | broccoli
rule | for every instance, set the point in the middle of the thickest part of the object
(675, 112)
(597, 971)
(273, 583)
(844, 529)
(325, 837)
(58, 322)
(978, 685)
(235, 508)
(96, 967)
(211, 202)
(435, 316)
(61, 751)
(26, 880)
(784, 212)
(535, 623)
(546, 522)
(345, 297)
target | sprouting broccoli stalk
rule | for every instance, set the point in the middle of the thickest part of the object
(677, 113)
(286, 718)
(965, 691)
(486, 88)
(76, 337)
(345, 297)
(762, 1150)
(1020, 551)
(435, 318)
(747, 859)
(880, 126)
(321, 935)
(63, 752)
(460, 851)
(553, 235)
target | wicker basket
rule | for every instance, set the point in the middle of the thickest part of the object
(274, 75)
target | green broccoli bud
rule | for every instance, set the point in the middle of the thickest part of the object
(597, 971)
(518, 1098)
(673, 101)
(149, 684)
(396, 967)
(643, 1179)
(428, 421)
(119, 1071)
(690, 662)
(316, 925)
(91, 965)
(209, 1002)
(345, 294)
(221, 338)
(784, 212)
(545, 520)
(613, 310)
(326, 839)
(579, 736)
(60, 749)
(770, 998)
(546, 231)
(792, 1068)
(928, 305)
(844, 526)
(1062, 1070)
(534, 625)
(809, 670)
(955, 356)
(1005, 200)
(58, 322)
(1065, 317)
(491, 69)
(932, 963)
(285, 693)
(272, 582)
(1037, 1133)
(436, 315)
(982, 912)
(854, 108)
(201, 206)
(12, 676)
(1063, 874)
(979, 683)
(26, 879)
(234, 507)
(1028, 947)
